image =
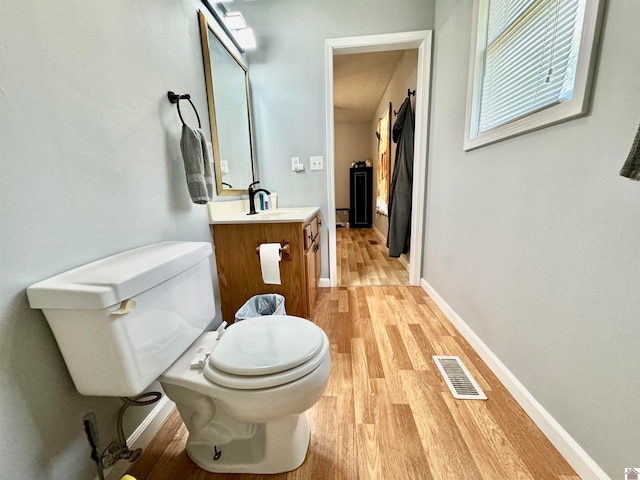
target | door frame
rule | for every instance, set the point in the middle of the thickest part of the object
(422, 40)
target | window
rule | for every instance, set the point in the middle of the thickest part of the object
(531, 68)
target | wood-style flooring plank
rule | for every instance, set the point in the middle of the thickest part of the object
(363, 397)
(491, 451)
(444, 447)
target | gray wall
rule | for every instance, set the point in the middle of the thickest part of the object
(533, 241)
(287, 82)
(90, 166)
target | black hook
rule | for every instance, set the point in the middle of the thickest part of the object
(176, 97)
(216, 453)
(409, 93)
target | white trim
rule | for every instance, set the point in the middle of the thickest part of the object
(142, 435)
(422, 40)
(324, 282)
(575, 455)
(330, 153)
(378, 233)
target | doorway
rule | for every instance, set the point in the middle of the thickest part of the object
(421, 41)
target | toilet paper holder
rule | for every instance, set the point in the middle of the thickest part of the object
(285, 250)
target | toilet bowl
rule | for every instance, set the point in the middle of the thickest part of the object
(251, 419)
(142, 315)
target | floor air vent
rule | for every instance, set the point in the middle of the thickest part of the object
(458, 378)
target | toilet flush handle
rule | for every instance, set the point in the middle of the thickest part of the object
(125, 307)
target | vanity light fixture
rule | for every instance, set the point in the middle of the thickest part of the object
(246, 38)
(235, 20)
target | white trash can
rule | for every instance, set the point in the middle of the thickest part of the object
(261, 305)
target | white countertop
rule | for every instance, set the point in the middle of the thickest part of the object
(225, 213)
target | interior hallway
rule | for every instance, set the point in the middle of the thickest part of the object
(387, 413)
(363, 259)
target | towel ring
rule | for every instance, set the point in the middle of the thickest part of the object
(175, 98)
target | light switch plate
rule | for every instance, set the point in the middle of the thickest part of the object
(296, 166)
(316, 163)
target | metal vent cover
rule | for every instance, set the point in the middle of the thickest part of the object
(458, 378)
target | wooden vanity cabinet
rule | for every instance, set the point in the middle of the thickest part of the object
(239, 273)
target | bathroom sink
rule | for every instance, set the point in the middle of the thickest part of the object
(274, 214)
(281, 215)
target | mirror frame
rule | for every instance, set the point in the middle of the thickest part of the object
(205, 28)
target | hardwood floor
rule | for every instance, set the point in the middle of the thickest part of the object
(387, 413)
(363, 259)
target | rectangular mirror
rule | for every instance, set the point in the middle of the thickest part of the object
(227, 82)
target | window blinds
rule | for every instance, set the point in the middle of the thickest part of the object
(531, 54)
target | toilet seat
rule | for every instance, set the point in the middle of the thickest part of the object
(265, 352)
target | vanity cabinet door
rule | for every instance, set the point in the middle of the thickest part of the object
(311, 275)
(311, 234)
(317, 258)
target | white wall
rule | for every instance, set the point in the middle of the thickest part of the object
(404, 78)
(534, 241)
(287, 82)
(90, 166)
(352, 144)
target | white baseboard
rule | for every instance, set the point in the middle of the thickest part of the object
(324, 282)
(575, 455)
(142, 435)
(379, 234)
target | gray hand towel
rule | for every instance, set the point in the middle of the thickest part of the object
(631, 168)
(197, 164)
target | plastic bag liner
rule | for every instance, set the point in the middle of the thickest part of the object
(260, 305)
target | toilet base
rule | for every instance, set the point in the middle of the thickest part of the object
(277, 447)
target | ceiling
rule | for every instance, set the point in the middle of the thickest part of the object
(359, 80)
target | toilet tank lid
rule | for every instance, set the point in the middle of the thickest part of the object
(109, 281)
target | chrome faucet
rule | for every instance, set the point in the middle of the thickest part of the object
(252, 197)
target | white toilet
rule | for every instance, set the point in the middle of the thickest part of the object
(127, 320)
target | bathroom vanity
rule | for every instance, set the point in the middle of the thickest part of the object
(237, 238)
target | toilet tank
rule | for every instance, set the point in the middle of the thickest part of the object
(123, 320)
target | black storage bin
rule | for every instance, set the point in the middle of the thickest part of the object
(361, 208)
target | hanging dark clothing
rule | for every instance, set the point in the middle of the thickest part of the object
(631, 168)
(399, 234)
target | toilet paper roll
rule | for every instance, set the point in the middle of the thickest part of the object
(270, 257)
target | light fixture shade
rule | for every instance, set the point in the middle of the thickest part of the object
(234, 20)
(246, 38)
